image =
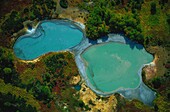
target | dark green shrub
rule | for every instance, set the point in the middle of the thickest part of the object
(64, 3)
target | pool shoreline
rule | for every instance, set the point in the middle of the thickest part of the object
(81, 67)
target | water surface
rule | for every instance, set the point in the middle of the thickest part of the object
(50, 36)
(111, 66)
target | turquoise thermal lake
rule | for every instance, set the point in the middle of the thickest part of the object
(112, 66)
(50, 36)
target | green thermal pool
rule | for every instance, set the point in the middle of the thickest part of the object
(50, 36)
(111, 66)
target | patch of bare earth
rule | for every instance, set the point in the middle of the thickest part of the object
(75, 80)
(97, 103)
(74, 14)
(157, 68)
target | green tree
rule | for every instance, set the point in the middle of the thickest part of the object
(45, 91)
(12, 103)
(7, 75)
(7, 70)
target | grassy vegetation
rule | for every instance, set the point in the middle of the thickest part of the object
(48, 81)
(17, 93)
(155, 26)
(7, 69)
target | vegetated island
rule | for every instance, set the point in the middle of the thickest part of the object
(49, 83)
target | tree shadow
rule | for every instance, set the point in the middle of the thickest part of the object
(133, 44)
(105, 38)
(93, 42)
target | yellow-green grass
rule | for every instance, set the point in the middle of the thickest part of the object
(8, 88)
(154, 25)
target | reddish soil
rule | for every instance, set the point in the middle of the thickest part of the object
(52, 108)
(20, 67)
(57, 89)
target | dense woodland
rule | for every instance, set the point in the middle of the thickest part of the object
(106, 17)
(44, 86)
